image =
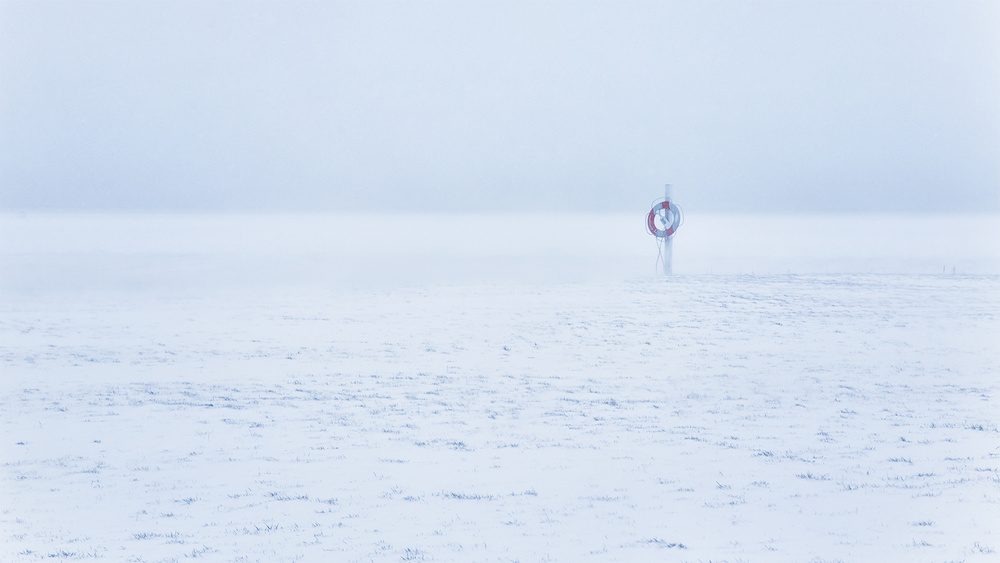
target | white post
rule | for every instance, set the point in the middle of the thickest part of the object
(667, 242)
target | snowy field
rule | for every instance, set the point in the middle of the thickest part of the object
(499, 388)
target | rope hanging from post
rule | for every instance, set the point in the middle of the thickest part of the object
(659, 253)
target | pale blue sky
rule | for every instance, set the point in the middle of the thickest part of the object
(512, 106)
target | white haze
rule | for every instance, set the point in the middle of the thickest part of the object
(370, 281)
(514, 106)
(188, 254)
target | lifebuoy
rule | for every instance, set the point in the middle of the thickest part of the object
(674, 221)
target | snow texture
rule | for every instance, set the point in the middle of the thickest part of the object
(166, 397)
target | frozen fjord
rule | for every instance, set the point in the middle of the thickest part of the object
(701, 417)
(826, 416)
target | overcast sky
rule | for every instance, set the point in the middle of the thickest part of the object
(511, 106)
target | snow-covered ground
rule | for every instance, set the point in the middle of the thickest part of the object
(499, 388)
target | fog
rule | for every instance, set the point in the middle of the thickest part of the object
(74, 255)
(359, 281)
(500, 106)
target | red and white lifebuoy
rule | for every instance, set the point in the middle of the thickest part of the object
(671, 212)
